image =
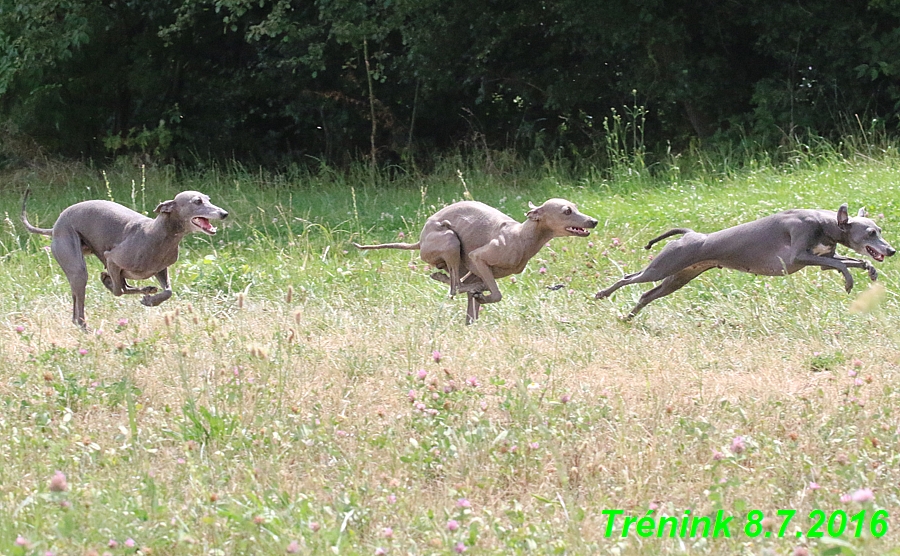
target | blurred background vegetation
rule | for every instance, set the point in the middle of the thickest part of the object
(402, 83)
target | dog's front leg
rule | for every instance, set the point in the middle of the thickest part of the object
(472, 308)
(488, 282)
(464, 287)
(481, 268)
(153, 300)
(850, 262)
(808, 259)
(873, 274)
(113, 279)
(126, 288)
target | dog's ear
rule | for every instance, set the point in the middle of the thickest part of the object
(535, 213)
(862, 212)
(165, 206)
(843, 217)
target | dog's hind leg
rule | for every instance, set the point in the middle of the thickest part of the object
(441, 248)
(67, 252)
(452, 258)
(671, 284)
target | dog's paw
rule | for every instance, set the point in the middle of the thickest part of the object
(485, 299)
(154, 300)
(440, 277)
(107, 281)
(873, 274)
(601, 295)
(475, 288)
(848, 285)
(149, 290)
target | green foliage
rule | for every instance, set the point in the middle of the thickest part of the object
(37, 37)
(278, 81)
(821, 362)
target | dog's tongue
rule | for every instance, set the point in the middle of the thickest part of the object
(875, 254)
(204, 224)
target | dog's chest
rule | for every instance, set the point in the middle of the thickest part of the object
(823, 250)
(140, 265)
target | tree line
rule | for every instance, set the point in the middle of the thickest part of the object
(330, 81)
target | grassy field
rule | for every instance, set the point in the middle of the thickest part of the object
(298, 397)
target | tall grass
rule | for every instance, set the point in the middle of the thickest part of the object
(298, 396)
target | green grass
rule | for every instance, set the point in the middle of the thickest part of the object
(276, 403)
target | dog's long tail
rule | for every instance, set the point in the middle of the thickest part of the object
(389, 246)
(672, 232)
(28, 226)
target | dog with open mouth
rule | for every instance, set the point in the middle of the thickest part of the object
(129, 244)
(774, 245)
(476, 244)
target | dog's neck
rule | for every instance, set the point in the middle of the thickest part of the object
(167, 226)
(837, 234)
(534, 235)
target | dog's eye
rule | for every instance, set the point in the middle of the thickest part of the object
(567, 211)
(198, 201)
(871, 232)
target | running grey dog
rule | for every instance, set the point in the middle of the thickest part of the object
(130, 245)
(776, 245)
(477, 244)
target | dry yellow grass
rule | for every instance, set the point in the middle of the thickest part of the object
(315, 396)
